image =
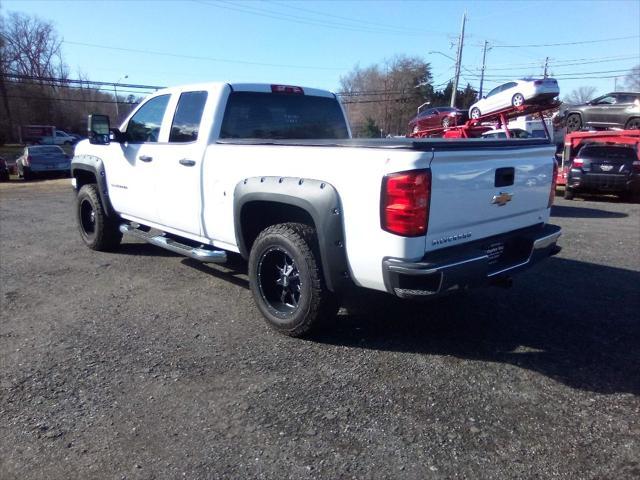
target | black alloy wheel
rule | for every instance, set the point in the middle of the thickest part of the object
(280, 284)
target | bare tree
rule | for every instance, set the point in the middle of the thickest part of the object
(580, 95)
(632, 80)
(31, 46)
(385, 95)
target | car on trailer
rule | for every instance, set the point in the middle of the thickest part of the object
(613, 110)
(437, 117)
(515, 94)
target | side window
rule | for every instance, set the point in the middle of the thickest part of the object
(608, 100)
(494, 91)
(186, 121)
(145, 125)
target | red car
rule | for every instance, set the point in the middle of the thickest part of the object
(437, 117)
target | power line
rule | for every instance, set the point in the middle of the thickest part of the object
(80, 100)
(298, 19)
(196, 57)
(77, 81)
(583, 42)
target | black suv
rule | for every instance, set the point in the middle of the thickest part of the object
(616, 109)
(601, 167)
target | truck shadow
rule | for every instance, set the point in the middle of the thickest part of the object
(563, 211)
(572, 321)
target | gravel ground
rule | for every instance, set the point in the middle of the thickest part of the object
(142, 364)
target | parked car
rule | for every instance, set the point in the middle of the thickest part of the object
(437, 117)
(613, 110)
(602, 167)
(501, 133)
(4, 170)
(63, 138)
(42, 159)
(414, 219)
(515, 94)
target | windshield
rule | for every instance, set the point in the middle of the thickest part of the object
(282, 116)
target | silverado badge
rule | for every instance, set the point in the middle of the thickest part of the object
(502, 198)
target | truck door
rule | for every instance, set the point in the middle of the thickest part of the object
(129, 166)
(177, 164)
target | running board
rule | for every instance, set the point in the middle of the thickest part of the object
(201, 254)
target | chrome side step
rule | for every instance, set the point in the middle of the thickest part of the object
(202, 254)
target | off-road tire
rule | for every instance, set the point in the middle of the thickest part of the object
(315, 302)
(104, 234)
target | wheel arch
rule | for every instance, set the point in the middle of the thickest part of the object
(87, 169)
(263, 201)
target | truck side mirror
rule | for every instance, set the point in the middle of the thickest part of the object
(98, 129)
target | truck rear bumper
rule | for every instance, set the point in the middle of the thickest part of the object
(484, 262)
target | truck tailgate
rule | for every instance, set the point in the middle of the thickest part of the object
(484, 192)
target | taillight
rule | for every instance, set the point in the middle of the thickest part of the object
(404, 205)
(577, 163)
(554, 183)
(28, 160)
(286, 89)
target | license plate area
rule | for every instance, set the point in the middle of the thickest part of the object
(503, 254)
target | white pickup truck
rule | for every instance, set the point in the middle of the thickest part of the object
(270, 172)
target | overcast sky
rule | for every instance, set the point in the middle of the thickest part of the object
(312, 43)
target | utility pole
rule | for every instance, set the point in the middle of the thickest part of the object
(484, 56)
(546, 67)
(458, 61)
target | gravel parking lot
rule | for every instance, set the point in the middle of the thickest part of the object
(143, 364)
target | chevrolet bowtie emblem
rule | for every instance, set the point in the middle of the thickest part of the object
(502, 198)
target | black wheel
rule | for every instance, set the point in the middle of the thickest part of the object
(286, 279)
(446, 122)
(630, 197)
(568, 193)
(98, 231)
(517, 100)
(574, 122)
(27, 174)
(475, 113)
(633, 124)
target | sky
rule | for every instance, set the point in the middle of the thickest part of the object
(313, 43)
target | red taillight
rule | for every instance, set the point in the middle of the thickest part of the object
(286, 89)
(404, 206)
(28, 160)
(577, 163)
(554, 184)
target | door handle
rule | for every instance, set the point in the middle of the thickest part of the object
(145, 158)
(187, 163)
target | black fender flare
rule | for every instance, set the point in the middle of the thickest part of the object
(95, 166)
(317, 198)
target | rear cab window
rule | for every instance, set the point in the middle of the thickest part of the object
(262, 115)
(185, 126)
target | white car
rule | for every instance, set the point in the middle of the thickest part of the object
(515, 94)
